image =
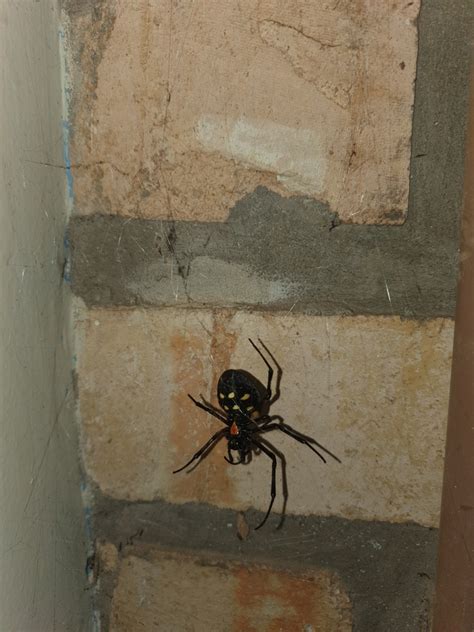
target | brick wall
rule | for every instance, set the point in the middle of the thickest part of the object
(268, 171)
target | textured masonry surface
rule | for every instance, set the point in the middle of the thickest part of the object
(174, 229)
(184, 108)
(386, 570)
(284, 253)
(374, 391)
(160, 593)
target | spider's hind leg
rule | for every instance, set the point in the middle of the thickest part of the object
(270, 454)
(230, 459)
(298, 436)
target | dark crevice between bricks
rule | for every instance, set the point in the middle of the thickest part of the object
(291, 253)
(387, 569)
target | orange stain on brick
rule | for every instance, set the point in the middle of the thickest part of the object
(191, 427)
(222, 347)
(272, 601)
(218, 595)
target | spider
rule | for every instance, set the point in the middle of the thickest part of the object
(245, 402)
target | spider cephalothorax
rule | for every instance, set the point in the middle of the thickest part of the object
(245, 402)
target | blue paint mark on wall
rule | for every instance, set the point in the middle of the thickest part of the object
(67, 160)
(65, 122)
(67, 258)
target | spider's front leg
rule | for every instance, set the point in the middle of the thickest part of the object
(208, 409)
(209, 445)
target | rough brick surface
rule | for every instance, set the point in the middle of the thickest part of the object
(387, 569)
(183, 108)
(373, 390)
(170, 593)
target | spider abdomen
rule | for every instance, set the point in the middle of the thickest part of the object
(239, 392)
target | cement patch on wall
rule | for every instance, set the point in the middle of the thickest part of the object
(181, 109)
(372, 390)
(290, 253)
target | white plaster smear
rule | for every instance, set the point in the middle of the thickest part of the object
(297, 156)
(257, 289)
(237, 280)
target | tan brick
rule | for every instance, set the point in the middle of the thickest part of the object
(108, 557)
(371, 389)
(171, 593)
(131, 380)
(183, 108)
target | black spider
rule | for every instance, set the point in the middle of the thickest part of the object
(246, 402)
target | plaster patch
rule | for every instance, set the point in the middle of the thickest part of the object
(168, 279)
(236, 280)
(298, 157)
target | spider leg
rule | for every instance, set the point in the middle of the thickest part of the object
(284, 479)
(273, 485)
(270, 369)
(230, 458)
(212, 407)
(310, 440)
(209, 410)
(216, 437)
(264, 420)
(296, 435)
(233, 462)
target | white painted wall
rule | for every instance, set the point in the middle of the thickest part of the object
(42, 549)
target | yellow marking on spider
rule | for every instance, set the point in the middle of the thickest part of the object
(249, 408)
(235, 407)
(245, 397)
(226, 407)
(231, 395)
(221, 395)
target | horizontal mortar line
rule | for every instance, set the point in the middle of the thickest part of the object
(258, 308)
(366, 270)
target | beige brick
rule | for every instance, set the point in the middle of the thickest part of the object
(183, 108)
(108, 557)
(171, 593)
(373, 390)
